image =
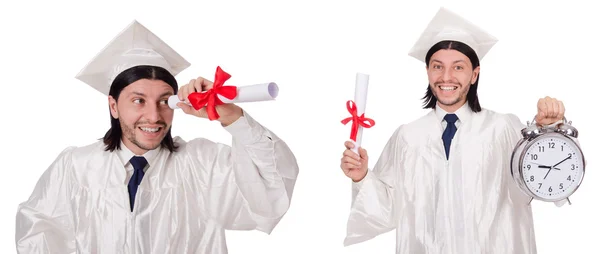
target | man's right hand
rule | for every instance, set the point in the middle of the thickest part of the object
(353, 165)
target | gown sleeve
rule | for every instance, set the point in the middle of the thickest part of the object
(373, 210)
(44, 223)
(248, 185)
(511, 138)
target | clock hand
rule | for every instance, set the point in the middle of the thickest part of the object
(547, 173)
(540, 165)
(553, 167)
(562, 161)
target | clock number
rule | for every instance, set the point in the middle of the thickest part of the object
(540, 185)
(551, 145)
(531, 178)
(534, 156)
(569, 178)
(528, 167)
(541, 149)
(550, 189)
(560, 186)
(562, 148)
(572, 166)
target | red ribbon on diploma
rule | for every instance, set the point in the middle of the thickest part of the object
(356, 120)
(209, 98)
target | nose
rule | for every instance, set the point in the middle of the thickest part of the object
(447, 75)
(152, 113)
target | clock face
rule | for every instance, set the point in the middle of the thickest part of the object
(552, 167)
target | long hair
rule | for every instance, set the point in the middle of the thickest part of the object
(472, 99)
(112, 138)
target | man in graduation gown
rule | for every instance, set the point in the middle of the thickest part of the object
(443, 181)
(139, 190)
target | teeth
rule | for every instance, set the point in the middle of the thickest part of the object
(150, 129)
(448, 88)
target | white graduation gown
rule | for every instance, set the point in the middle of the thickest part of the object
(183, 205)
(467, 204)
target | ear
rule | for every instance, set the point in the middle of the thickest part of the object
(112, 104)
(475, 75)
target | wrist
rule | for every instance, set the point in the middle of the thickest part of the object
(361, 178)
(231, 118)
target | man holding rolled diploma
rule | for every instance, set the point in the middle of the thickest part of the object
(443, 181)
(139, 190)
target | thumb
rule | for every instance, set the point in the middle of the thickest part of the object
(186, 108)
(541, 115)
(363, 153)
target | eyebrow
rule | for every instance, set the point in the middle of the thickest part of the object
(434, 60)
(169, 93)
(138, 94)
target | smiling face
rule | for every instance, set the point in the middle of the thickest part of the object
(143, 113)
(451, 74)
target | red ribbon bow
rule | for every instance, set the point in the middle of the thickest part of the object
(209, 98)
(356, 120)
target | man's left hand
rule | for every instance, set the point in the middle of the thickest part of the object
(550, 110)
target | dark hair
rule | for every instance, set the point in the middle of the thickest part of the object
(472, 99)
(112, 138)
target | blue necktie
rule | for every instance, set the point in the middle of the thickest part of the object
(449, 132)
(138, 163)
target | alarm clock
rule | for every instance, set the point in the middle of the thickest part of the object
(547, 163)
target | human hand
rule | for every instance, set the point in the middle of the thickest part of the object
(550, 110)
(228, 112)
(354, 165)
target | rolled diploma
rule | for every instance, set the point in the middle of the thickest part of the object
(360, 100)
(252, 93)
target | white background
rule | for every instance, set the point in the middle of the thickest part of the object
(313, 50)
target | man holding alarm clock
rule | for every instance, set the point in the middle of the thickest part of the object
(139, 190)
(443, 182)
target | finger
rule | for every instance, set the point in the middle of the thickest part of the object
(548, 107)
(184, 91)
(561, 110)
(201, 112)
(351, 161)
(180, 93)
(351, 154)
(539, 117)
(202, 84)
(349, 144)
(554, 108)
(190, 87)
(197, 86)
(541, 106)
(348, 166)
(206, 84)
(363, 153)
(186, 108)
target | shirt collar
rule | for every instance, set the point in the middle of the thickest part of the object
(125, 154)
(464, 113)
